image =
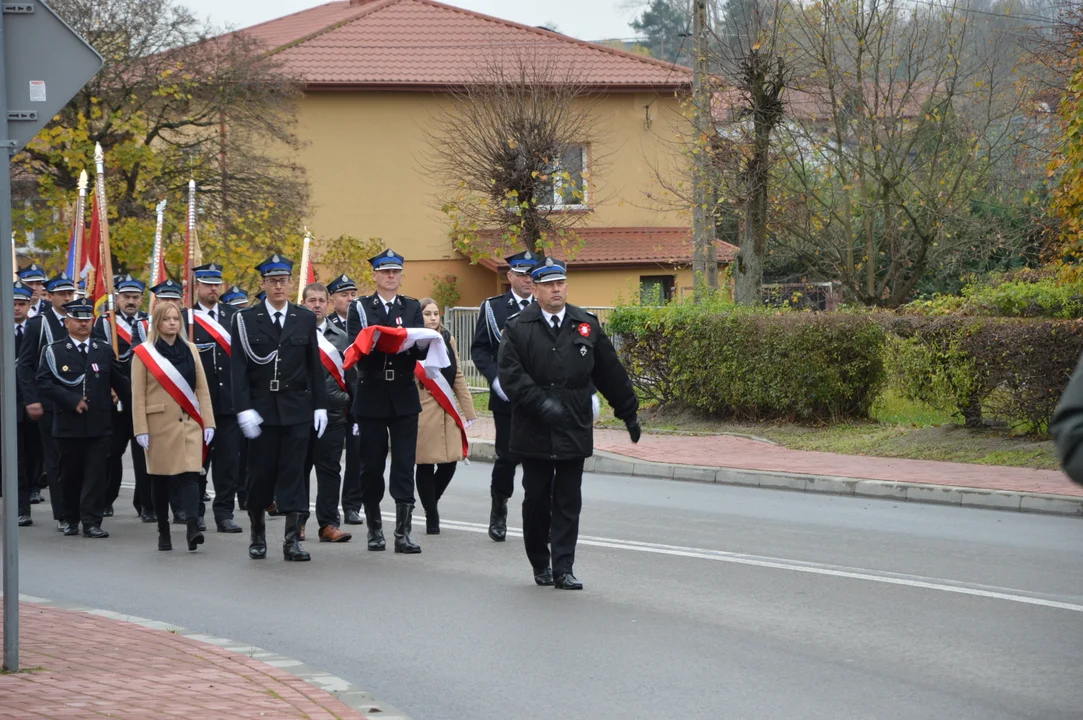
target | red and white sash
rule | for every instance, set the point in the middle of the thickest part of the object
(214, 329)
(332, 359)
(125, 333)
(173, 382)
(445, 398)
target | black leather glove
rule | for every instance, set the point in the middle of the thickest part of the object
(634, 431)
(552, 411)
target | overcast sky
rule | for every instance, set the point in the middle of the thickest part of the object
(585, 19)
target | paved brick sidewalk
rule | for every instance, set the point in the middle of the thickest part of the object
(726, 451)
(86, 666)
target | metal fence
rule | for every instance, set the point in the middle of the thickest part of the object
(460, 322)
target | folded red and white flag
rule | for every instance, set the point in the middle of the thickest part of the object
(393, 340)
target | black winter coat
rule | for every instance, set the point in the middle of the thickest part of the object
(537, 364)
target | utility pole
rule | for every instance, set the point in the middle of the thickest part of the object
(705, 256)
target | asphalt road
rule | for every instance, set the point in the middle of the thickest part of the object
(701, 602)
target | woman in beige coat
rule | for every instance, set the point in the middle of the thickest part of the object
(439, 441)
(173, 439)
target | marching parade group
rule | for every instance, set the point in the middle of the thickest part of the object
(256, 396)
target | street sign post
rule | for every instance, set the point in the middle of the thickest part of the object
(44, 64)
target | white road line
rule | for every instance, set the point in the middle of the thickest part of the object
(913, 581)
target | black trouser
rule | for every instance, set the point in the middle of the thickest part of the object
(325, 454)
(183, 486)
(224, 461)
(276, 466)
(503, 483)
(374, 435)
(432, 481)
(119, 442)
(51, 460)
(242, 474)
(552, 499)
(84, 466)
(352, 498)
(143, 497)
(26, 437)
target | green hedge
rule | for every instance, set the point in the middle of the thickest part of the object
(985, 369)
(753, 364)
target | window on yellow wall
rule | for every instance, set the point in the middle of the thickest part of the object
(568, 186)
(655, 289)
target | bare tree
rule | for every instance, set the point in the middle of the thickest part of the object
(898, 121)
(511, 155)
(174, 102)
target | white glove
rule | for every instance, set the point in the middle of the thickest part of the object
(249, 420)
(143, 440)
(208, 435)
(356, 429)
(469, 423)
(499, 391)
(319, 422)
(596, 406)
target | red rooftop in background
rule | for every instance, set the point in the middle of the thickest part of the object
(423, 44)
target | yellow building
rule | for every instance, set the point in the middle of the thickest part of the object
(376, 75)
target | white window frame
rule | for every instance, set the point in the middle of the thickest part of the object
(584, 204)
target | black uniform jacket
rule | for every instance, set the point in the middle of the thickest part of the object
(216, 363)
(20, 405)
(61, 366)
(385, 383)
(537, 363)
(103, 332)
(299, 380)
(40, 331)
(492, 317)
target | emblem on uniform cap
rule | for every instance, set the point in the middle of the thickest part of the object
(528, 256)
(275, 258)
(344, 278)
(391, 253)
(548, 262)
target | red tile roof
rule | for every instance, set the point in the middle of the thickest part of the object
(633, 246)
(424, 43)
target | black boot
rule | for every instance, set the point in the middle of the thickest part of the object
(376, 528)
(403, 543)
(291, 548)
(432, 520)
(195, 534)
(498, 518)
(257, 548)
(164, 541)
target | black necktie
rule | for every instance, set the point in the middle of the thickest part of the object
(210, 314)
(524, 303)
(556, 323)
(82, 349)
(18, 332)
(278, 320)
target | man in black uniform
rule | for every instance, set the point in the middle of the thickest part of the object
(79, 376)
(550, 355)
(34, 277)
(169, 291)
(211, 321)
(41, 330)
(235, 297)
(325, 454)
(27, 432)
(131, 330)
(279, 394)
(492, 316)
(343, 292)
(386, 403)
(238, 298)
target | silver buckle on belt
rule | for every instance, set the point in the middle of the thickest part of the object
(389, 375)
(274, 386)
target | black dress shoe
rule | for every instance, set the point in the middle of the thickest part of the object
(179, 518)
(228, 526)
(206, 497)
(61, 526)
(149, 517)
(567, 581)
(543, 577)
(25, 521)
(71, 530)
(354, 518)
(201, 525)
(94, 532)
(164, 541)
(108, 512)
(35, 497)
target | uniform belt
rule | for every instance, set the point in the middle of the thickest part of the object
(387, 375)
(294, 386)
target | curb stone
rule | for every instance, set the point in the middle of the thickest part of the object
(1019, 501)
(343, 690)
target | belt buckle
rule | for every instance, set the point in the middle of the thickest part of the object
(389, 375)
(274, 386)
